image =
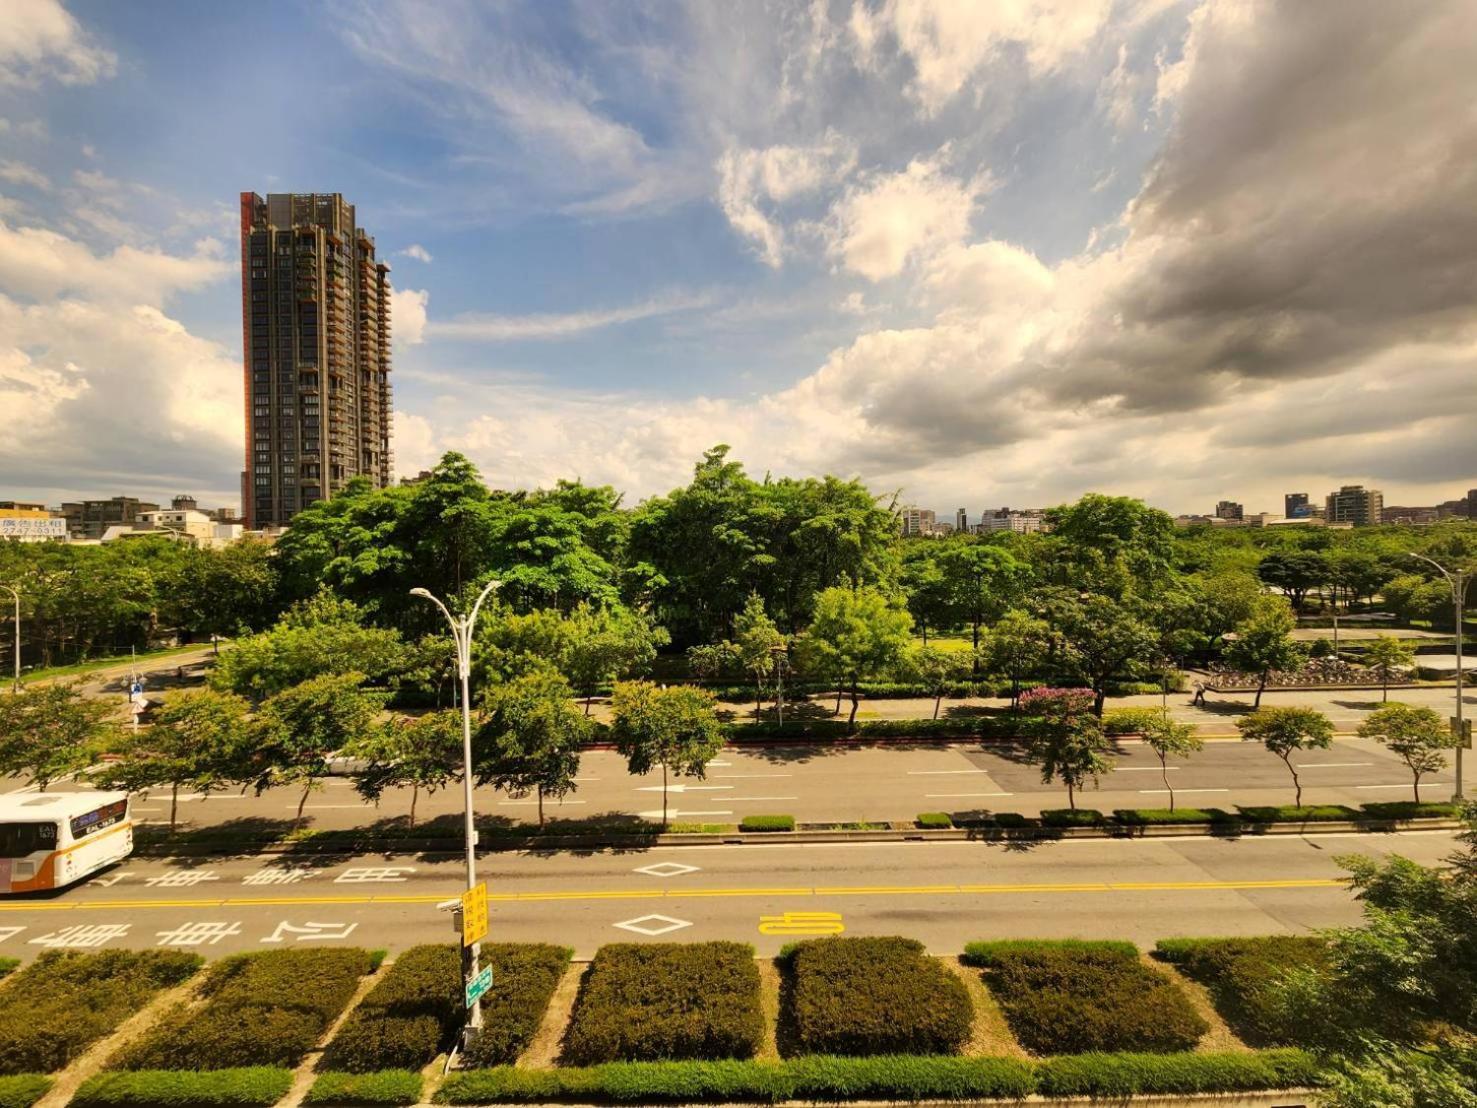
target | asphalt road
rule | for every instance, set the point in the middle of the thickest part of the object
(819, 783)
(942, 893)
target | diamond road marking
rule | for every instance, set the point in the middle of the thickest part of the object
(653, 925)
(668, 869)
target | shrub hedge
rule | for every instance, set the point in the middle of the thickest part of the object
(390, 1086)
(21, 1090)
(898, 1078)
(1072, 817)
(1291, 813)
(263, 1009)
(407, 1019)
(666, 1002)
(1139, 817)
(937, 821)
(7, 966)
(1104, 1075)
(1409, 809)
(873, 996)
(1239, 974)
(767, 823)
(258, 1085)
(524, 977)
(65, 1001)
(1077, 997)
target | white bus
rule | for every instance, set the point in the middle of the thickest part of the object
(50, 840)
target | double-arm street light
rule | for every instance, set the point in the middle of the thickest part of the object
(461, 633)
(15, 593)
(1457, 579)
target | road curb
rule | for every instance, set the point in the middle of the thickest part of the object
(1272, 1098)
(739, 838)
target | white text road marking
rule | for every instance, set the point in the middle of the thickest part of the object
(83, 935)
(198, 934)
(310, 931)
(802, 923)
(9, 932)
(653, 925)
(364, 875)
(277, 875)
(111, 880)
(181, 878)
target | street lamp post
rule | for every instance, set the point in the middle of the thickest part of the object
(461, 633)
(1457, 579)
(15, 593)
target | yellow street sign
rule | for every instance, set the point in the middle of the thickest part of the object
(802, 923)
(474, 915)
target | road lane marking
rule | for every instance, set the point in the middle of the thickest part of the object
(1331, 765)
(1402, 785)
(1141, 769)
(942, 772)
(533, 803)
(750, 799)
(942, 796)
(1178, 792)
(749, 776)
(685, 893)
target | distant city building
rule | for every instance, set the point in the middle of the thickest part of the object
(89, 519)
(1354, 504)
(1261, 519)
(1472, 503)
(1295, 505)
(961, 520)
(29, 521)
(315, 306)
(23, 509)
(1022, 522)
(1229, 510)
(917, 521)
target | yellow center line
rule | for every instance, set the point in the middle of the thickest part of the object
(98, 903)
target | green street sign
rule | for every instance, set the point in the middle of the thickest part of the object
(479, 985)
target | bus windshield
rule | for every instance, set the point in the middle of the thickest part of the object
(20, 839)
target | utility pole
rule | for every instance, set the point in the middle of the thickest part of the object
(461, 632)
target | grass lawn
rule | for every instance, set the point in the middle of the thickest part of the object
(77, 669)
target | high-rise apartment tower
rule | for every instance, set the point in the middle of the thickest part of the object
(315, 315)
(1355, 504)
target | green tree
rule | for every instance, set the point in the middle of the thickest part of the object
(1413, 597)
(676, 728)
(1016, 648)
(1101, 638)
(984, 581)
(1387, 655)
(1419, 736)
(50, 732)
(1110, 544)
(1065, 738)
(1263, 643)
(1392, 1016)
(1162, 734)
(936, 670)
(857, 634)
(422, 752)
(607, 644)
(224, 592)
(320, 636)
(1295, 573)
(756, 640)
(930, 599)
(299, 729)
(199, 740)
(532, 739)
(1286, 730)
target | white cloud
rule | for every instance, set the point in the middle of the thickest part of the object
(417, 251)
(39, 39)
(948, 41)
(19, 173)
(43, 264)
(408, 316)
(747, 178)
(477, 327)
(891, 218)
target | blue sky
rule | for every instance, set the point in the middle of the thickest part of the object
(985, 254)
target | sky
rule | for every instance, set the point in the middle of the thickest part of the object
(981, 254)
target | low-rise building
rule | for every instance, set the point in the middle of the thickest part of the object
(89, 519)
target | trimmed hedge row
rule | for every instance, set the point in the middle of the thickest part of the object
(64, 1001)
(22, 1090)
(263, 1009)
(1240, 974)
(898, 1078)
(524, 977)
(1074, 997)
(767, 823)
(253, 1085)
(1409, 809)
(874, 996)
(1291, 813)
(390, 1086)
(666, 1002)
(934, 821)
(7, 966)
(1143, 817)
(407, 1019)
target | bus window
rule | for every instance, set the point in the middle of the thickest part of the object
(17, 840)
